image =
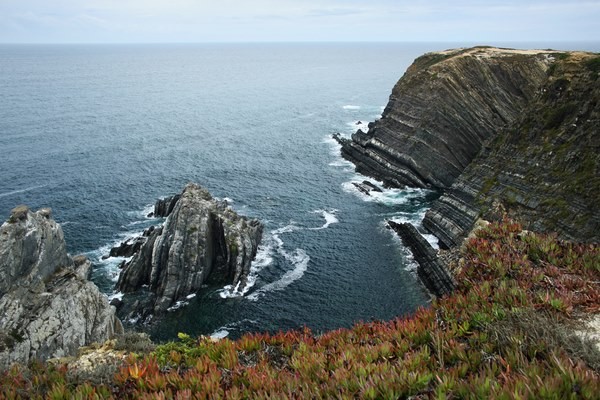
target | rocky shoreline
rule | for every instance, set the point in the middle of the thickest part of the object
(500, 132)
(49, 307)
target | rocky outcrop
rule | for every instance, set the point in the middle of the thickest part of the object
(130, 246)
(543, 170)
(164, 207)
(202, 241)
(366, 187)
(48, 308)
(431, 270)
(443, 110)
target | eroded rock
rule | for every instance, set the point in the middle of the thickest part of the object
(48, 307)
(442, 111)
(431, 270)
(202, 241)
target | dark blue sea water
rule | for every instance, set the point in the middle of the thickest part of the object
(99, 132)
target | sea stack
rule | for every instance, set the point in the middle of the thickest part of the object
(202, 241)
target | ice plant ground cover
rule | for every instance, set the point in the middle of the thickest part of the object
(507, 332)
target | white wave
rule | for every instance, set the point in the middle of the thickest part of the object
(416, 219)
(299, 259)
(342, 163)
(330, 218)
(110, 267)
(219, 334)
(356, 125)
(264, 258)
(115, 295)
(335, 151)
(178, 304)
(143, 213)
(22, 190)
(224, 331)
(351, 107)
(389, 196)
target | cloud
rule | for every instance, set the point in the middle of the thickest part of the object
(295, 20)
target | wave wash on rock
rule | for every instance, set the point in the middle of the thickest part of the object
(48, 308)
(202, 241)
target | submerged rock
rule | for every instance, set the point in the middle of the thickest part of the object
(431, 270)
(202, 241)
(48, 308)
(366, 187)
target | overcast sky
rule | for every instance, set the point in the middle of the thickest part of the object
(129, 21)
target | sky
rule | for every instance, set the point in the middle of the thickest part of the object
(183, 21)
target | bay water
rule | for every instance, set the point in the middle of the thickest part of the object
(99, 132)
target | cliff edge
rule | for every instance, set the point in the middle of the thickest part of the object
(543, 169)
(441, 112)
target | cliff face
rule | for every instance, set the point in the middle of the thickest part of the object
(202, 240)
(442, 111)
(544, 169)
(48, 308)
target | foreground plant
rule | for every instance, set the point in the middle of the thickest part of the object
(507, 332)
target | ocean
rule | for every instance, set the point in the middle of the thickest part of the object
(99, 132)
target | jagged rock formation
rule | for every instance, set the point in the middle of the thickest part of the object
(366, 187)
(202, 241)
(48, 308)
(431, 269)
(544, 169)
(441, 112)
(130, 246)
(164, 207)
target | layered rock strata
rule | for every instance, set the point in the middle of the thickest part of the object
(543, 170)
(202, 241)
(441, 112)
(431, 270)
(48, 308)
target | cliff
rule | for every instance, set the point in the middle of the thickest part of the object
(48, 307)
(441, 112)
(543, 169)
(202, 241)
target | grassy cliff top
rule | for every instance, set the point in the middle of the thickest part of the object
(507, 332)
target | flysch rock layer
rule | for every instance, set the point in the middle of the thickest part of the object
(48, 308)
(442, 111)
(543, 169)
(202, 241)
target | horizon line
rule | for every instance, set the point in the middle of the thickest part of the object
(307, 42)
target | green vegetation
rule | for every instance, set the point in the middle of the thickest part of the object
(593, 65)
(555, 117)
(505, 333)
